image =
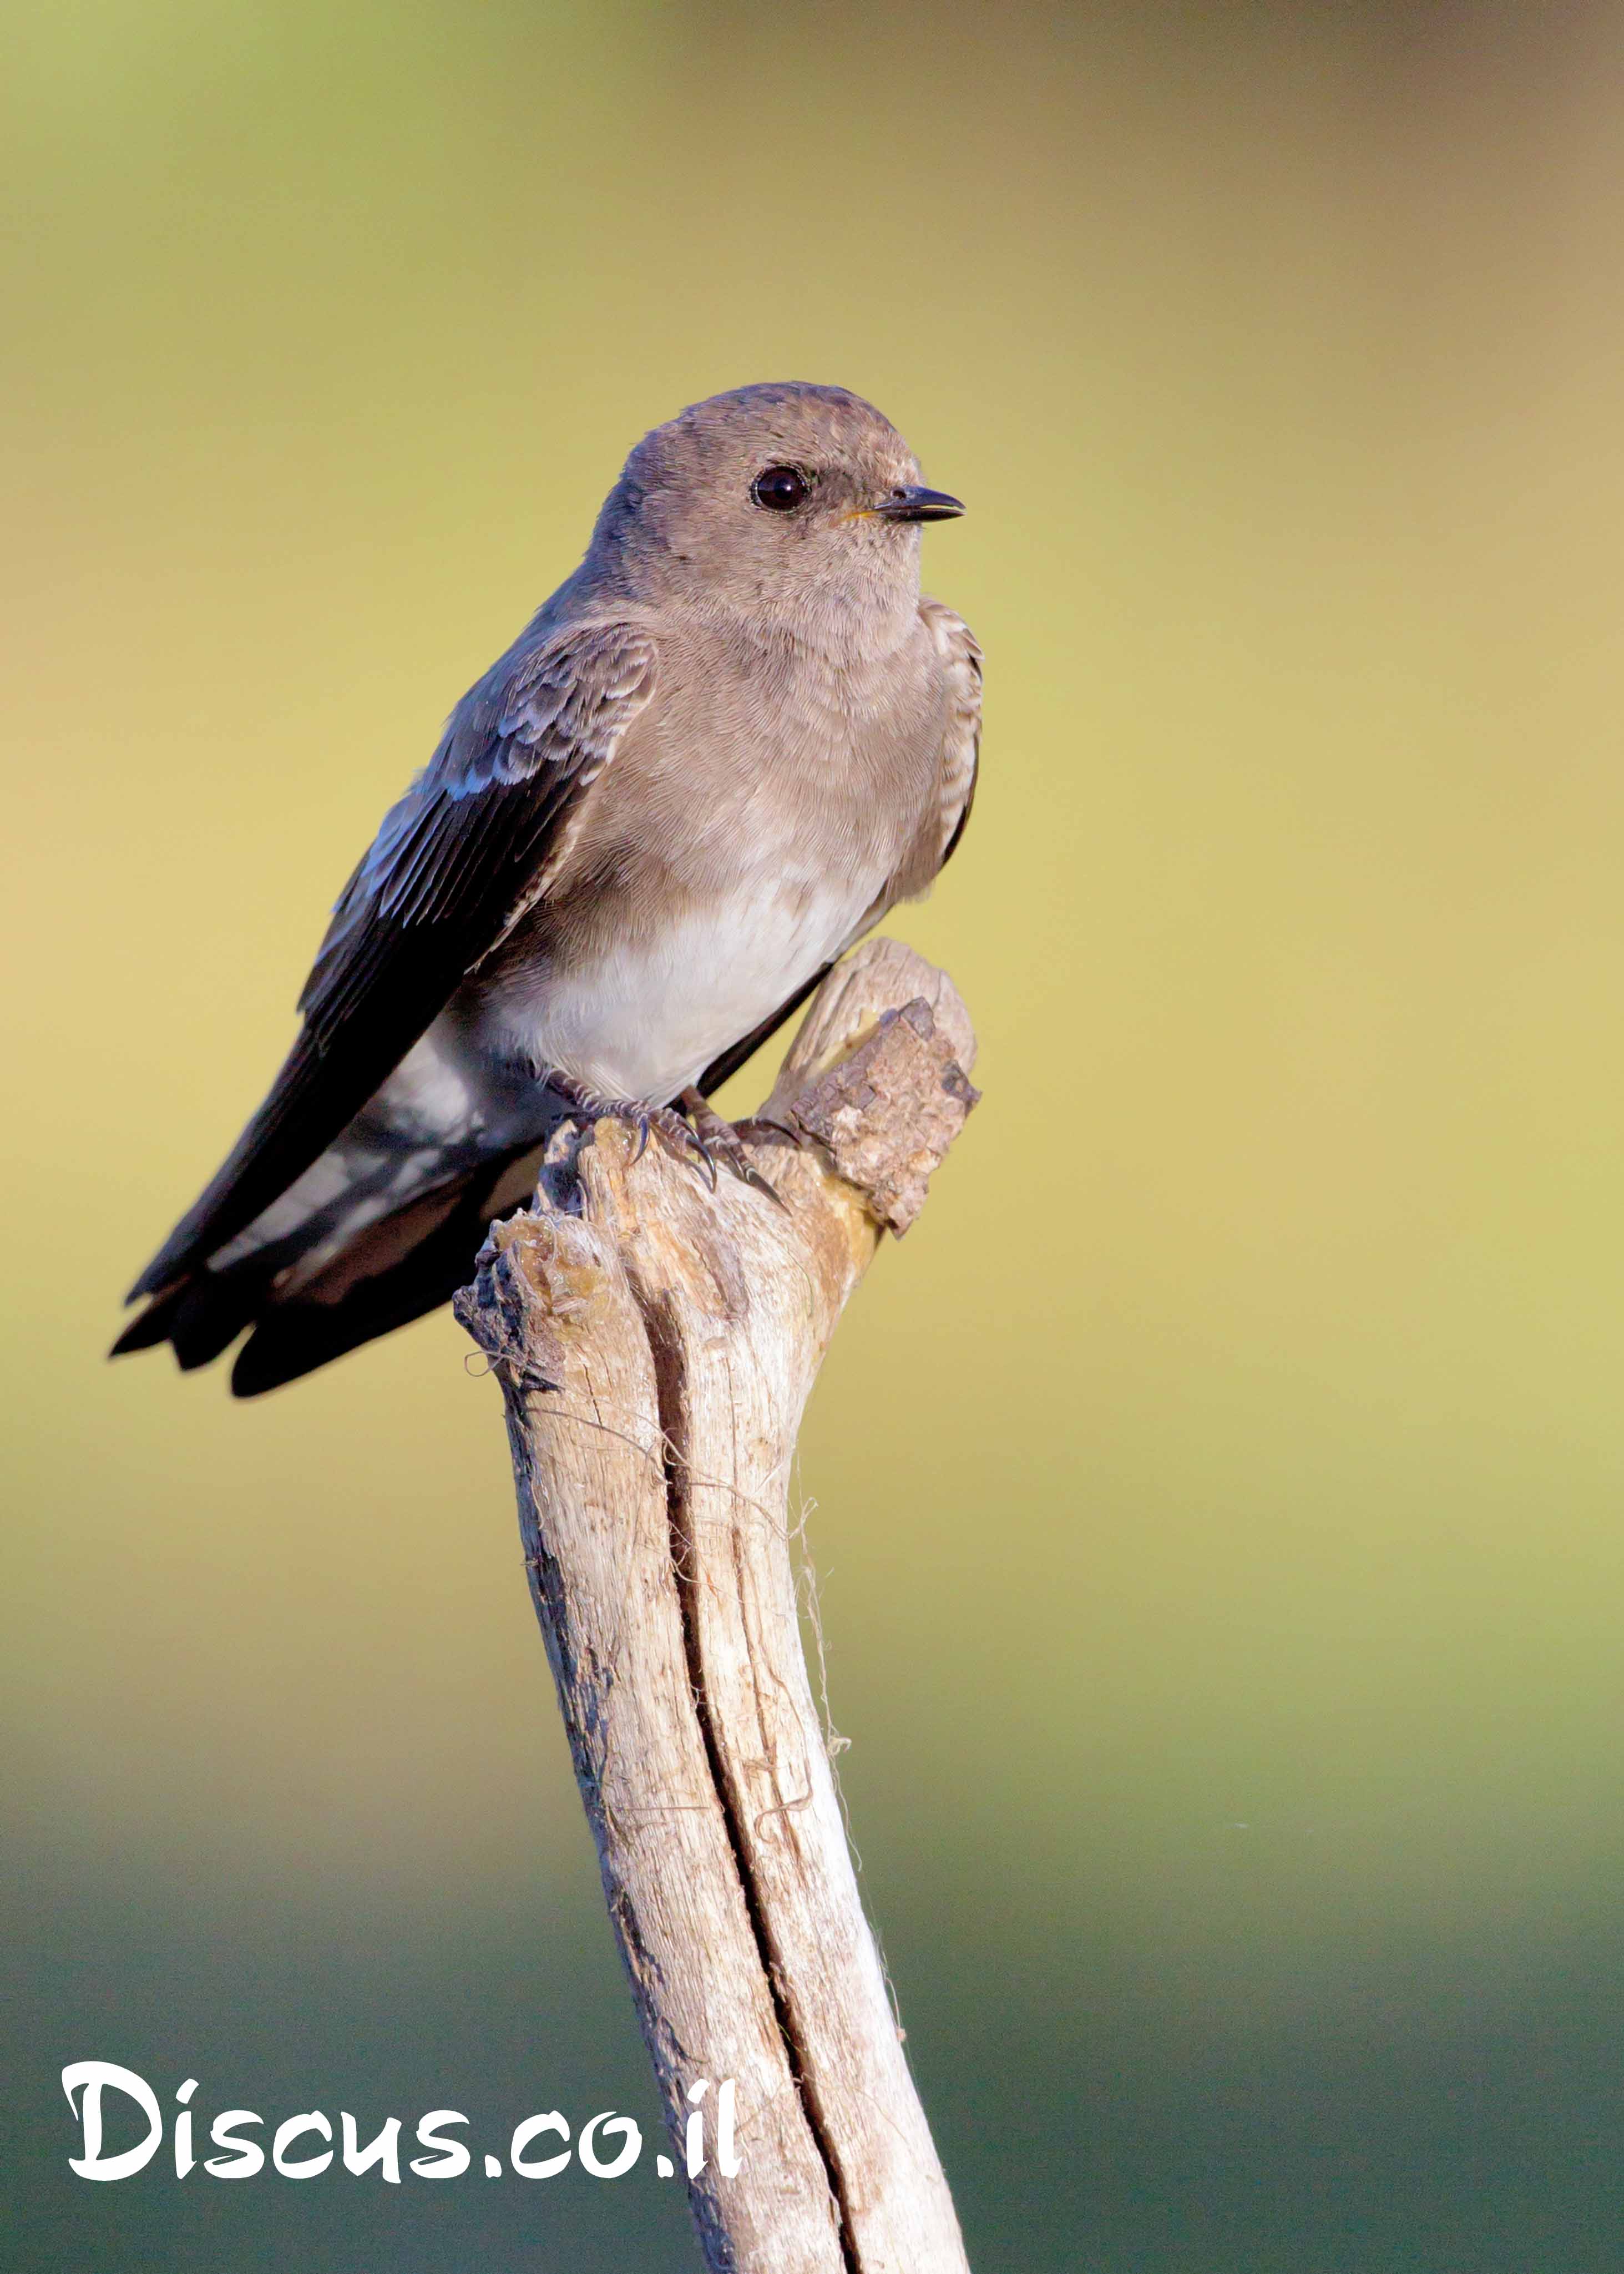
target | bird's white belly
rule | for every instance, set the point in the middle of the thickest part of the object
(644, 1017)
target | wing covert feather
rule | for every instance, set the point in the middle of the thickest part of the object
(961, 746)
(456, 862)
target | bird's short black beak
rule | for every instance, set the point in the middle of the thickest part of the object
(919, 505)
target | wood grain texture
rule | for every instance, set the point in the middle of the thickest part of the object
(656, 1344)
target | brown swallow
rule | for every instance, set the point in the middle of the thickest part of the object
(726, 745)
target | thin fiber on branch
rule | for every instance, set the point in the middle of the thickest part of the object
(656, 1343)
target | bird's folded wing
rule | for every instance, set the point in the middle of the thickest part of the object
(472, 845)
(961, 744)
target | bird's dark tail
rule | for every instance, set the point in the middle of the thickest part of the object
(386, 1272)
(394, 1270)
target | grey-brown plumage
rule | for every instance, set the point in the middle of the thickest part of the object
(721, 750)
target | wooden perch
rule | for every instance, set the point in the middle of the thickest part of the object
(656, 1343)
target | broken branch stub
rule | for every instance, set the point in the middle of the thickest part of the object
(655, 1349)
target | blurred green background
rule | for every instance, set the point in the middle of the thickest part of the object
(1218, 1499)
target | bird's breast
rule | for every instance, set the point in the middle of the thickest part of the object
(743, 832)
(640, 1010)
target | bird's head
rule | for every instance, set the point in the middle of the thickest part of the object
(786, 504)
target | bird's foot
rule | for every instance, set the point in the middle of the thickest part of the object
(661, 1121)
(723, 1141)
(692, 1130)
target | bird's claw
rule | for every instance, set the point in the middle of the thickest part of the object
(674, 1134)
(690, 1130)
(686, 1140)
(725, 1140)
(758, 1126)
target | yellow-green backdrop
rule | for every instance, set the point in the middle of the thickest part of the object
(1218, 1498)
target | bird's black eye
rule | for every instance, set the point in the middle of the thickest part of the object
(781, 488)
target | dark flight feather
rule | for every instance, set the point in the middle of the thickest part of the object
(457, 860)
(390, 1277)
(294, 1338)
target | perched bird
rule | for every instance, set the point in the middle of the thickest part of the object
(726, 745)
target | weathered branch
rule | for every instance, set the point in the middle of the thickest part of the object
(655, 1350)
